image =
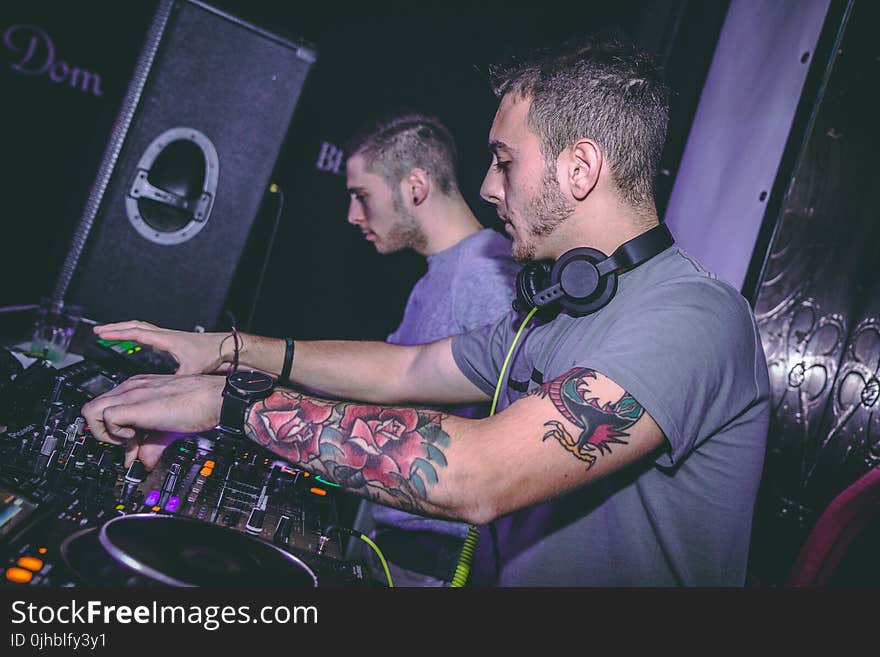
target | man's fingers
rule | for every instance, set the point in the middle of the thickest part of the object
(121, 326)
(142, 332)
(93, 412)
(116, 421)
(130, 412)
(161, 412)
(148, 449)
(155, 403)
(151, 451)
(100, 413)
(131, 390)
(131, 451)
(135, 382)
(145, 336)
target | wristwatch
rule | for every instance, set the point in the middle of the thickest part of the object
(242, 389)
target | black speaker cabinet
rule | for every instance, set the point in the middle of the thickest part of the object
(192, 172)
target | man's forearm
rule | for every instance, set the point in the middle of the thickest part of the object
(369, 371)
(396, 456)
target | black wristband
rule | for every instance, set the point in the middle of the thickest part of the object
(288, 361)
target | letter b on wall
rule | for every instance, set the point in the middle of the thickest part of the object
(192, 173)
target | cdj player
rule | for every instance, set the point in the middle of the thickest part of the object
(217, 510)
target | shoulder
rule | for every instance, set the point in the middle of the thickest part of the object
(485, 244)
(486, 253)
(683, 314)
(679, 281)
(483, 281)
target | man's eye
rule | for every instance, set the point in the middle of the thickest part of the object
(502, 166)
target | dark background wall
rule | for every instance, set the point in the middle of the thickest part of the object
(322, 279)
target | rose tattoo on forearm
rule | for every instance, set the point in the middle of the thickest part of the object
(391, 455)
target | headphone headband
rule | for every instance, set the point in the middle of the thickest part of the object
(639, 249)
(583, 280)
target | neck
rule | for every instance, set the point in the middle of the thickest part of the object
(446, 221)
(606, 226)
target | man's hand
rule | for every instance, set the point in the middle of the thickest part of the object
(143, 404)
(148, 448)
(197, 353)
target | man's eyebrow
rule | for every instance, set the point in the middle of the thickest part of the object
(354, 190)
(495, 145)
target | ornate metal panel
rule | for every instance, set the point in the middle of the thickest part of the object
(818, 310)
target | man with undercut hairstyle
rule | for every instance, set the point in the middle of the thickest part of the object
(629, 441)
(404, 194)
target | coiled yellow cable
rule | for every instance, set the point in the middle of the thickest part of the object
(463, 569)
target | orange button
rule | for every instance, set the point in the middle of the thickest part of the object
(42, 550)
(18, 575)
(206, 472)
(318, 491)
(306, 474)
(31, 563)
(156, 508)
(209, 464)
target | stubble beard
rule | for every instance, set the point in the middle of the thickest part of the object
(405, 232)
(548, 209)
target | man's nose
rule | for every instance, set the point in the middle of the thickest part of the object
(491, 190)
(355, 216)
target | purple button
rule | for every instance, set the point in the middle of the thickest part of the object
(172, 504)
(153, 498)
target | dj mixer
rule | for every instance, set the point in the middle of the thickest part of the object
(217, 510)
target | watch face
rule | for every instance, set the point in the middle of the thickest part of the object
(249, 382)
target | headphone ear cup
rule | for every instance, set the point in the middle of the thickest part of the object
(531, 279)
(585, 291)
(602, 295)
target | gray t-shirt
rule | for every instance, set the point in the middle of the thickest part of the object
(685, 346)
(468, 285)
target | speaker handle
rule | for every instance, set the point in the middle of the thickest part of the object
(143, 188)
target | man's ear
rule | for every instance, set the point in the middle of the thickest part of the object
(415, 186)
(584, 164)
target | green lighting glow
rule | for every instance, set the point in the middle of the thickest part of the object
(324, 481)
(122, 344)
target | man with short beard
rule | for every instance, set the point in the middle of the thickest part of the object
(400, 176)
(629, 441)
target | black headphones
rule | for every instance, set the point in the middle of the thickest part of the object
(583, 280)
